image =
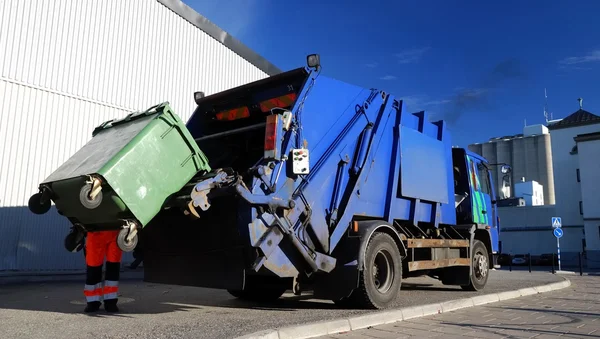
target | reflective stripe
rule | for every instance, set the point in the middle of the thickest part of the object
(92, 292)
(234, 114)
(92, 298)
(282, 101)
(92, 287)
(110, 289)
(110, 296)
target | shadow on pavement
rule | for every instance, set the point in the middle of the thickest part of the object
(137, 297)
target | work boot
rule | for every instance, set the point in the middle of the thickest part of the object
(92, 306)
(111, 305)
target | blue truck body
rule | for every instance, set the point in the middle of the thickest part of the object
(324, 185)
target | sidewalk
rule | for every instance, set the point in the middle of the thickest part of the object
(573, 312)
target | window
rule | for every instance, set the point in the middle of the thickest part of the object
(484, 179)
(580, 207)
(578, 177)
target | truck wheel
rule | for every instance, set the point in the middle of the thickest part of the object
(381, 278)
(35, 204)
(480, 267)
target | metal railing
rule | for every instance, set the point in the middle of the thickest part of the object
(506, 259)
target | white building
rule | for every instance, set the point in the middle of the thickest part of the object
(66, 67)
(531, 191)
(529, 154)
(575, 150)
(588, 149)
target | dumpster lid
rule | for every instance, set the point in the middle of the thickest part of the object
(156, 109)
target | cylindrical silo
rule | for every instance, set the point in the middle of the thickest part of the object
(488, 151)
(545, 170)
(518, 161)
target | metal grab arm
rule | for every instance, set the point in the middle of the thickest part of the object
(202, 189)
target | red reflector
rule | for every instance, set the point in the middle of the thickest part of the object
(271, 132)
(282, 102)
(233, 114)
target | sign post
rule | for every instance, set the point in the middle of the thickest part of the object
(558, 233)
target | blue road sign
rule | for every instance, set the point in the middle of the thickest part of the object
(558, 233)
(556, 222)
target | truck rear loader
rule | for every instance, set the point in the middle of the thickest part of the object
(316, 184)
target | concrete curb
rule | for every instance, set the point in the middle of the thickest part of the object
(323, 328)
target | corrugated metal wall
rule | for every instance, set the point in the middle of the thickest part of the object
(65, 67)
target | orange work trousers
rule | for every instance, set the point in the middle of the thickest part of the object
(99, 246)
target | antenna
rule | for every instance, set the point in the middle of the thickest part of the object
(546, 114)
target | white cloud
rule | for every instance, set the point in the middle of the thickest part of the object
(436, 102)
(388, 77)
(591, 57)
(371, 65)
(414, 102)
(422, 101)
(411, 55)
(471, 92)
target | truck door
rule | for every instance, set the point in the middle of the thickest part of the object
(480, 192)
(495, 225)
(484, 212)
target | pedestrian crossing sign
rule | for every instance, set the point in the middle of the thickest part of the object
(556, 222)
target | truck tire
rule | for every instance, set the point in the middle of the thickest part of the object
(381, 278)
(480, 267)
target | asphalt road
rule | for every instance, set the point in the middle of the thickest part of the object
(54, 309)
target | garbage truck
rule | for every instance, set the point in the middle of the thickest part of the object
(324, 186)
(294, 182)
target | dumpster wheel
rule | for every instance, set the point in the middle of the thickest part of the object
(37, 206)
(124, 245)
(86, 201)
(74, 241)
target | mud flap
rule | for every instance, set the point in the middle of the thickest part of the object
(337, 284)
(460, 275)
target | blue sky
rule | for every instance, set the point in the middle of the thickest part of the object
(480, 65)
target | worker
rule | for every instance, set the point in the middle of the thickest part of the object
(99, 245)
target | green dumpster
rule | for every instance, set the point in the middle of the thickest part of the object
(123, 176)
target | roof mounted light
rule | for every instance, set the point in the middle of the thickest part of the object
(198, 96)
(313, 61)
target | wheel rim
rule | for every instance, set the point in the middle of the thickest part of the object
(480, 266)
(383, 272)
